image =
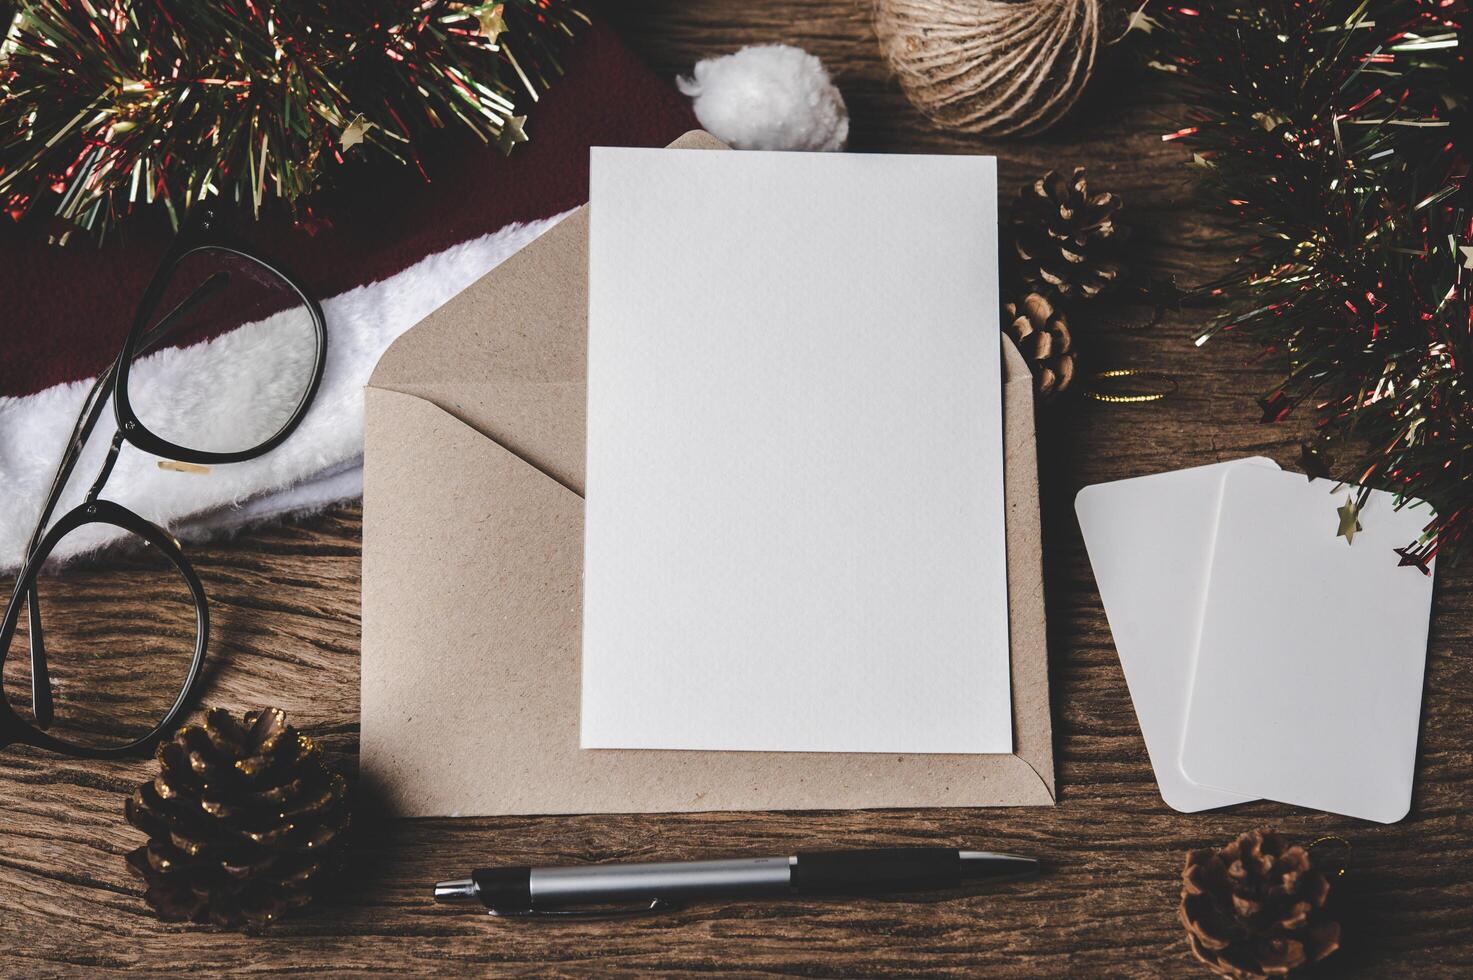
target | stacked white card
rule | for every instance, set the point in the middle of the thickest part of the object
(1267, 655)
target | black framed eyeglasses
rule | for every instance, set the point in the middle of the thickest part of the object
(116, 653)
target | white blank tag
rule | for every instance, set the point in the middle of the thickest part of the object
(1309, 670)
(1150, 544)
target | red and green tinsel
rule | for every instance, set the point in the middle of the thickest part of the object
(1334, 135)
(109, 105)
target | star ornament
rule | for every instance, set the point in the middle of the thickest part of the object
(1141, 21)
(1348, 519)
(1416, 559)
(1467, 251)
(492, 23)
(354, 132)
(512, 133)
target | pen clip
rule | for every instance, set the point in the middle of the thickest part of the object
(653, 907)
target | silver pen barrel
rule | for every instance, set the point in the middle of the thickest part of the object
(669, 880)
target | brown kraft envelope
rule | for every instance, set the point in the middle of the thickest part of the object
(472, 577)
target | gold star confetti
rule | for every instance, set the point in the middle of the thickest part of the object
(354, 132)
(493, 25)
(1141, 21)
(1348, 519)
(1467, 251)
(1269, 121)
(512, 133)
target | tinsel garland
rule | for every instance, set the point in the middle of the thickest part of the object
(106, 105)
(1334, 134)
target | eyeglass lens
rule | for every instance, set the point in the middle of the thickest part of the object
(251, 344)
(119, 641)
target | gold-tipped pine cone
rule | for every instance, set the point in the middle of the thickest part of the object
(1067, 241)
(1042, 336)
(1257, 908)
(245, 822)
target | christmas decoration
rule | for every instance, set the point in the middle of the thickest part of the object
(1257, 908)
(321, 464)
(1042, 336)
(244, 821)
(397, 247)
(1063, 249)
(1000, 67)
(107, 105)
(1130, 386)
(1349, 520)
(1066, 240)
(769, 97)
(1336, 135)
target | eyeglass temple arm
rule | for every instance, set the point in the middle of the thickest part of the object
(41, 702)
(166, 325)
(42, 705)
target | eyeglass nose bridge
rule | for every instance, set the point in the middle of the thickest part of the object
(26, 596)
(111, 460)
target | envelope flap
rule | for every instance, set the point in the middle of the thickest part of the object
(508, 355)
(524, 321)
(521, 322)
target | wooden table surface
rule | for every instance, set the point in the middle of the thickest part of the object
(286, 605)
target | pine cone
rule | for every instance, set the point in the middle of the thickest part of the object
(1042, 336)
(1065, 240)
(1256, 908)
(244, 822)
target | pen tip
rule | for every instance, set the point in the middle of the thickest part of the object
(993, 866)
(460, 890)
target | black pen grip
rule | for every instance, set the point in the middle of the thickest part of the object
(504, 888)
(886, 869)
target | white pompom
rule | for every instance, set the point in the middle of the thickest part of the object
(769, 97)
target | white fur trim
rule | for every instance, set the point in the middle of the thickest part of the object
(322, 459)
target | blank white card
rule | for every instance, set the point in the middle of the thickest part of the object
(1309, 667)
(1150, 541)
(794, 533)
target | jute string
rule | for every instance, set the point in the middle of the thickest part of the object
(988, 66)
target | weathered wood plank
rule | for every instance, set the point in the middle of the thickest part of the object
(285, 603)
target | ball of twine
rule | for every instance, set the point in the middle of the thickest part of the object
(990, 66)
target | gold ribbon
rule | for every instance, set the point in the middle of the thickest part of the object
(1345, 864)
(1166, 386)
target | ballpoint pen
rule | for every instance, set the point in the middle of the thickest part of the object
(605, 890)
